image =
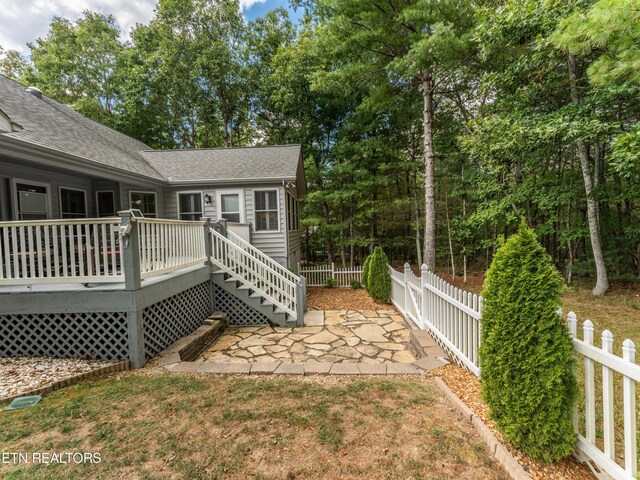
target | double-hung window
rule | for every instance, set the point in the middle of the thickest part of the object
(145, 202)
(73, 203)
(190, 206)
(266, 210)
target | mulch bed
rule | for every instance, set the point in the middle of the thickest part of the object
(467, 387)
(320, 298)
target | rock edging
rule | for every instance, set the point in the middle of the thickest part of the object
(65, 382)
(497, 449)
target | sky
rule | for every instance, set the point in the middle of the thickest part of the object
(24, 21)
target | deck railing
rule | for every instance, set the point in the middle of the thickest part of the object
(169, 245)
(261, 274)
(59, 251)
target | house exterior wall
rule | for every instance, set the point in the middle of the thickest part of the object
(272, 243)
(10, 171)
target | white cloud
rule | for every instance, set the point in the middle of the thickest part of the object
(22, 22)
(247, 4)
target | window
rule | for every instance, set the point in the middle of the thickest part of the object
(145, 202)
(190, 206)
(73, 203)
(32, 201)
(106, 203)
(230, 207)
(292, 213)
(266, 209)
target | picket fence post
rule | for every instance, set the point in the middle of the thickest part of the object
(629, 395)
(424, 280)
(407, 297)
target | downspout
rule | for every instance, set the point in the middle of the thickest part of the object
(285, 226)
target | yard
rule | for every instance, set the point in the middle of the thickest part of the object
(152, 425)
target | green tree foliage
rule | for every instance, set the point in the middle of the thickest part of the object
(12, 64)
(365, 272)
(77, 63)
(526, 358)
(526, 108)
(379, 278)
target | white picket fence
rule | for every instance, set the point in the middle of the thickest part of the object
(454, 319)
(317, 275)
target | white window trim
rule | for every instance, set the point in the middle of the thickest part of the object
(98, 203)
(255, 223)
(187, 192)
(15, 181)
(84, 192)
(155, 195)
(230, 191)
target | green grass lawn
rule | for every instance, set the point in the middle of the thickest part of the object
(148, 425)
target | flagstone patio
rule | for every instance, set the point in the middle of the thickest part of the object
(331, 336)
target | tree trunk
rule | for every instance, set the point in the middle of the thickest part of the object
(602, 282)
(416, 215)
(429, 175)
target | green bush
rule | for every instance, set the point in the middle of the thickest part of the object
(330, 283)
(365, 272)
(528, 379)
(355, 284)
(379, 280)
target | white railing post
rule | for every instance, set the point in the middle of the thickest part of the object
(333, 270)
(208, 245)
(424, 279)
(589, 387)
(607, 399)
(407, 294)
(629, 396)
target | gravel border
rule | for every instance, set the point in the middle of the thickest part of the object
(498, 451)
(116, 367)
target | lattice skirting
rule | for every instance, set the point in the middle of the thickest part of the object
(239, 313)
(174, 317)
(86, 335)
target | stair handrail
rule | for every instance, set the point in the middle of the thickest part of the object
(249, 269)
(241, 242)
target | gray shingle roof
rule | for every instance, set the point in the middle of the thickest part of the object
(224, 164)
(56, 126)
(53, 125)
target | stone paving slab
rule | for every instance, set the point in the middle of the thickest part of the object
(317, 368)
(344, 369)
(207, 367)
(402, 369)
(372, 369)
(264, 368)
(236, 368)
(289, 369)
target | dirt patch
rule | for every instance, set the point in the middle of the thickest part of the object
(198, 426)
(467, 387)
(320, 298)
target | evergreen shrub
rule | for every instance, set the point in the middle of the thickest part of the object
(528, 370)
(365, 272)
(379, 280)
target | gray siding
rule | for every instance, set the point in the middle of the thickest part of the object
(273, 244)
(125, 188)
(12, 171)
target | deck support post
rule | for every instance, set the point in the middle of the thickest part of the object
(301, 304)
(130, 248)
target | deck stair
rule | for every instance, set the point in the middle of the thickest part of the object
(256, 279)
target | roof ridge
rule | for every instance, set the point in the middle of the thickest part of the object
(173, 150)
